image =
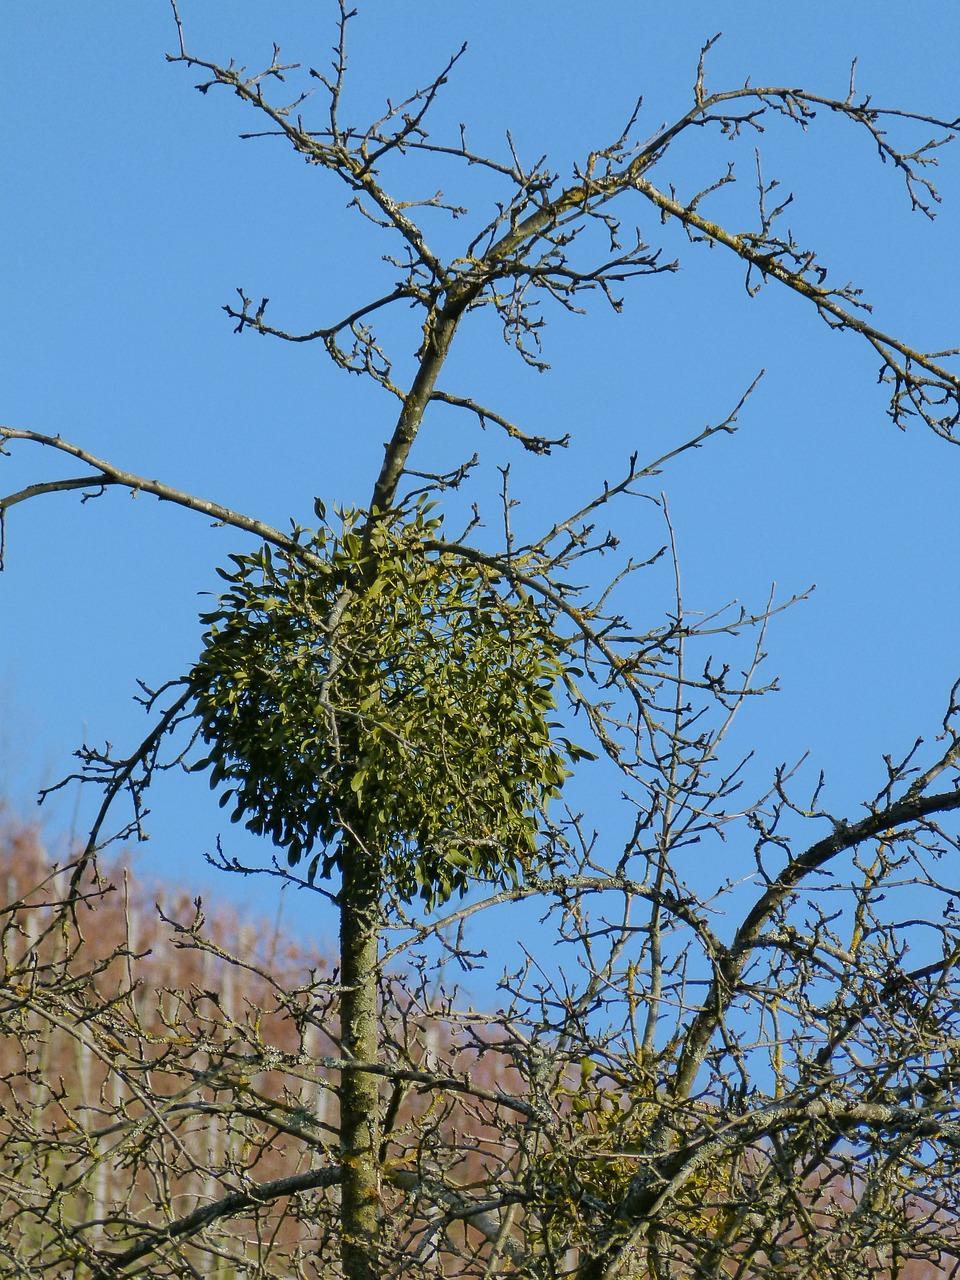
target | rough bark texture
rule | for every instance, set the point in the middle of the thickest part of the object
(439, 332)
(359, 1101)
(361, 896)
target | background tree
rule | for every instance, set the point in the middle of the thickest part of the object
(690, 1098)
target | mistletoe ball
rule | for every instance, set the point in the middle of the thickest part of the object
(387, 691)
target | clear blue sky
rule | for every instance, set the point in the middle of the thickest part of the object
(131, 211)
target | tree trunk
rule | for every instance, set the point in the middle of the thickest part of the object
(359, 1093)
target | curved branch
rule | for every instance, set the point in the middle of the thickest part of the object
(42, 487)
(54, 486)
(679, 908)
(433, 1080)
(731, 964)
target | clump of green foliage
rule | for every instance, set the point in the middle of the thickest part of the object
(600, 1145)
(382, 688)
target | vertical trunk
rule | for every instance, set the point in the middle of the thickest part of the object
(359, 1093)
(362, 889)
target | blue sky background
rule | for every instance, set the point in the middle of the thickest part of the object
(131, 211)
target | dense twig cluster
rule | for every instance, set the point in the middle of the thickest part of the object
(668, 1098)
(744, 1061)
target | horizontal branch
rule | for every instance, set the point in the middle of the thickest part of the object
(226, 1207)
(410, 1075)
(109, 473)
(534, 444)
(254, 320)
(44, 487)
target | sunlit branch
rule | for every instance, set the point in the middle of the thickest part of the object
(532, 443)
(227, 1206)
(945, 383)
(109, 474)
(732, 963)
(255, 321)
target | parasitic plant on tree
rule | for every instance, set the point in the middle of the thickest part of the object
(762, 1093)
(387, 687)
